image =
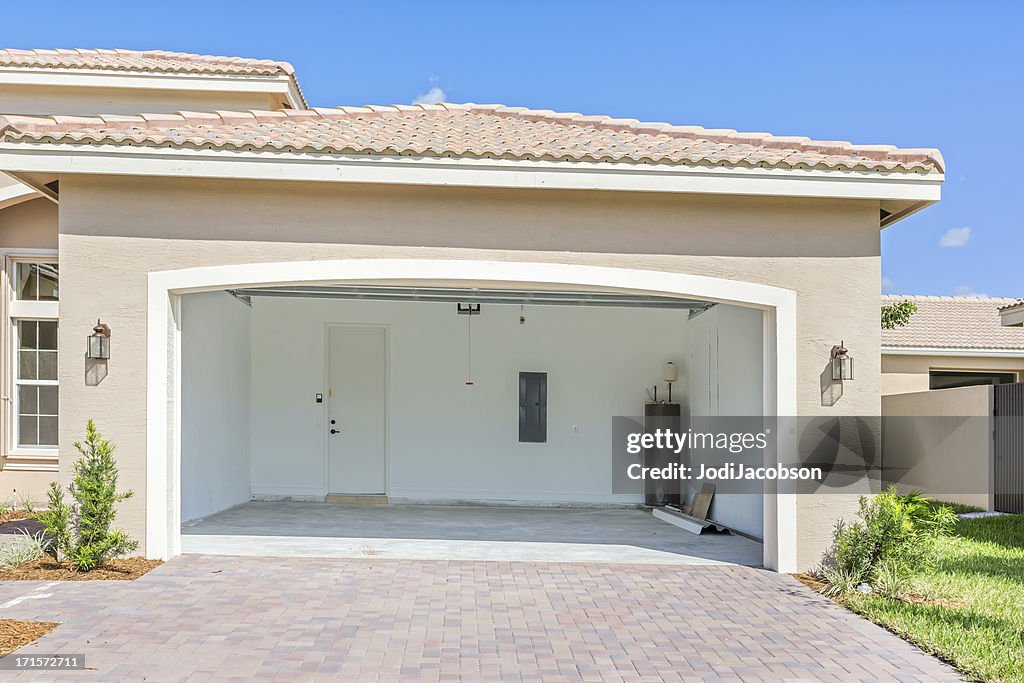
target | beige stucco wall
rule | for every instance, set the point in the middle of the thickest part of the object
(29, 225)
(115, 230)
(904, 374)
(940, 443)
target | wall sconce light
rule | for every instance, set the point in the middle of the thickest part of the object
(842, 363)
(670, 374)
(98, 347)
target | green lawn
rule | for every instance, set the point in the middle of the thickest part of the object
(969, 610)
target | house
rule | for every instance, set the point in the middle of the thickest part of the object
(952, 341)
(1012, 314)
(429, 303)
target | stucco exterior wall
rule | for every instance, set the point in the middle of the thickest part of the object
(116, 230)
(29, 225)
(905, 374)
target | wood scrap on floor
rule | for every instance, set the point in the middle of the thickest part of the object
(692, 517)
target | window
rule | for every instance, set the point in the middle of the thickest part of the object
(950, 379)
(35, 282)
(29, 413)
(36, 383)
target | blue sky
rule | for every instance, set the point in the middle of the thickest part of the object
(914, 74)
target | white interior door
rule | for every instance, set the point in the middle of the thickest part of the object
(357, 409)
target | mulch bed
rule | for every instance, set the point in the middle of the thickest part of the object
(46, 569)
(910, 597)
(14, 516)
(14, 634)
(21, 525)
(811, 582)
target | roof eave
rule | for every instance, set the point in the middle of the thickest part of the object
(1012, 316)
(59, 158)
(953, 351)
(282, 85)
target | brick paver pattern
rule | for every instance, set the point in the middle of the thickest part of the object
(223, 618)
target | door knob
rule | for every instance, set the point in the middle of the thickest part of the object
(335, 431)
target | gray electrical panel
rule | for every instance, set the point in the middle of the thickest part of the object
(533, 407)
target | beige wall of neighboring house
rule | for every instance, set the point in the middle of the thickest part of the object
(131, 226)
(905, 373)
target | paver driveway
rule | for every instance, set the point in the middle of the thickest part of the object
(218, 618)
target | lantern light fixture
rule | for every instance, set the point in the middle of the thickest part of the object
(842, 363)
(98, 343)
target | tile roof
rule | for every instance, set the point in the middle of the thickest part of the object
(142, 60)
(1013, 304)
(468, 130)
(955, 322)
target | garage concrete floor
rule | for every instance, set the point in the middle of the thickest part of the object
(441, 532)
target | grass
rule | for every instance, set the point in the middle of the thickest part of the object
(969, 608)
(958, 508)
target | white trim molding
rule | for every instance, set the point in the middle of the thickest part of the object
(281, 85)
(938, 351)
(907, 189)
(163, 494)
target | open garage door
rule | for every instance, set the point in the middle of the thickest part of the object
(442, 395)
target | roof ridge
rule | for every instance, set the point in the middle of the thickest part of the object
(951, 297)
(168, 55)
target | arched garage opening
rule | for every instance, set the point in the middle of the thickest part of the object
(271, 360)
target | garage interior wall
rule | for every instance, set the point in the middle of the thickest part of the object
(447, 441)
(724, 368)
(215, 405)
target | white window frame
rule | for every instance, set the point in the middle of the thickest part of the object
(22, 457)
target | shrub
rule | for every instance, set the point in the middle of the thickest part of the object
(81, 533)
(27, 548)
(894, 538)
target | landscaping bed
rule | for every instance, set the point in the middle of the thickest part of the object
(969, 608)
(14, 634)
(45, 569)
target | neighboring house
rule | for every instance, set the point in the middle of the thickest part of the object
(280, 285)
(1012, 314)
(953, 341)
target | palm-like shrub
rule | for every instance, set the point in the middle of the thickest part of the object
(81, 532)
(894, 538)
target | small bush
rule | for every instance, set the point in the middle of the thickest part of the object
(894, 538)
(27, 548)
(81, 533)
